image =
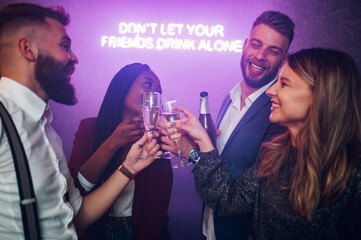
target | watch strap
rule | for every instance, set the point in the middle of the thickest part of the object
(126, 172)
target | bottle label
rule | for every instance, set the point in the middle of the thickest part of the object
(204, 106)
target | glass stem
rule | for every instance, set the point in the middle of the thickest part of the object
(179, 155)
(150, 135)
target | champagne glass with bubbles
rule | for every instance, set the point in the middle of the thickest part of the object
(151, 109)
(169, 116)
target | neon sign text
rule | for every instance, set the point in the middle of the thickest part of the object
(178, 36)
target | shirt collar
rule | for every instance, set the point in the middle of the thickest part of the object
(235, 94)
(26, 99)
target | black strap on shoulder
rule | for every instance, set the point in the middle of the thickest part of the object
(28, 206)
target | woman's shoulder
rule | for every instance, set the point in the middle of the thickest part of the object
(358, 166)
(86, 129)
(88, 121)
(357, 174)
(88, 124)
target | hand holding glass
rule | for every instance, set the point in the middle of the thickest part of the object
(169, 116)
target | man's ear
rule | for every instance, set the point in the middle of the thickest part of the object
(26, 49)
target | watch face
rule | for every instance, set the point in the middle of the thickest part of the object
(193, 156)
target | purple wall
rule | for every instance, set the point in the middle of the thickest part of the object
(184, 73)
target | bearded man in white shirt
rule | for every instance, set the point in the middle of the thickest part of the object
(36, 62)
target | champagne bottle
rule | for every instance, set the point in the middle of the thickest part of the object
(206, 119)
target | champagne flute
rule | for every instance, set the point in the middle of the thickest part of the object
(150, 109)
(169, 116)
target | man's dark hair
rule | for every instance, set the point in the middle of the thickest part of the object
(15, 16)
(277, 21)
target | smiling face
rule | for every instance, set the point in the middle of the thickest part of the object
(291, 98)
(263, 53)
(147, 81)
(55, 63)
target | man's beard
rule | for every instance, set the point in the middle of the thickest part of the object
(255, 81)
(54, 78)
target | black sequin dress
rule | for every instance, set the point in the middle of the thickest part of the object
(273, 217)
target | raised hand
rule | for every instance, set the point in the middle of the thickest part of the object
(195, 130)
(128, 132)
(187, 143)
(133, 162)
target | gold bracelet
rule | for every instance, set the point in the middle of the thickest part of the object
(126, 172)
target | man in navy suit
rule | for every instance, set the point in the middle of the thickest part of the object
(243, 117)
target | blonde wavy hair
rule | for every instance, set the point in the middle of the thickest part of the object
(331, 137)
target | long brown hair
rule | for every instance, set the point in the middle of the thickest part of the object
(331, 137)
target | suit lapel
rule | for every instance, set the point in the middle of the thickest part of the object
(262, 100)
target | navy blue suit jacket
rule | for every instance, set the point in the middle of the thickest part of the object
(240, 153)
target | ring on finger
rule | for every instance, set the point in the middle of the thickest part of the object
(139, 145)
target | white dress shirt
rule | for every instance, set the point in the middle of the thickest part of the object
(48, 166)
(231, 118)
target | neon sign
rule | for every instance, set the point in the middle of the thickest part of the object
(178, 36)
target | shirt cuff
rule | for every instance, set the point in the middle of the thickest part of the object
(88, 186)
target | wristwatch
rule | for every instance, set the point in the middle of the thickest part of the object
(193, 156)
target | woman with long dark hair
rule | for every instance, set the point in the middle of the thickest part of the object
(306, 183)
(100, 146)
